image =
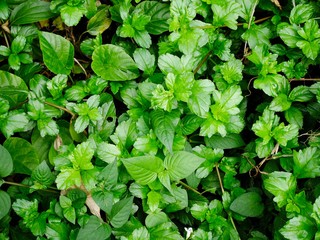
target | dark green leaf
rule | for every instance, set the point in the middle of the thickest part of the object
(13, 88)
(57, 53)
(5, 203)
(94, 226)
(120, 212)
(230, 141)
(248, 204)
(4, 10)
(6, 162)
(99, 22)
(26, 159)
(43, 174)
(30, 12)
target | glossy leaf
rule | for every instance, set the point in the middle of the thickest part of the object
(6, 162)
(57, 53)
(99, 22)
(94, 225)
(5, 202)
(113, 63)
(248, 204)
(120, 212)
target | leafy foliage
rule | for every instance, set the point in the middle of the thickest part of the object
(182, 119)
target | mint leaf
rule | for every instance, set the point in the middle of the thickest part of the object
(181, 164)
(301, 13)
(280, 103)
(226, 13)
(282, 185)
(99, 22)
(143, 169)
(145, 60)
(94, 225)
(164, 125)
(5, 202)
(300, 94)
(248, 204)
(42, 174)
(6, 163)
(298, 228)
(294, 116)
(57, 53)
(289, 34)
(67, 178)
(113, 63)
(71, 15)
(120, 212)
(257, 35)
(81, 156)
(306, 163)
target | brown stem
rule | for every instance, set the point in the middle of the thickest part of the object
(61, 108)
(190, 188)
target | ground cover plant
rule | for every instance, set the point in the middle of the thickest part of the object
(182, 119)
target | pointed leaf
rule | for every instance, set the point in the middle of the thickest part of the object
(120, 212)
(5, 162)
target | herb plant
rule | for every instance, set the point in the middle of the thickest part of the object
(137, 119)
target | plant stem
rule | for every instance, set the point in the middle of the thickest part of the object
(245, 51)
(190, 188)
(305, 79)
(61, 108)
(202, 62)
(82, 68)
(50, 189)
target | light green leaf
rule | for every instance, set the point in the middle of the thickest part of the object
(5, 203)
(140, 233)
(199, 101)
(299, 228)
(226, 13)
(26, 159)
(81, 156)
(100, 229)
(306, 163)
(108, 152)
(30, 12)
(282, 185)
(280, 103)
(4, 10)
(145, 60)
(81, 123)
(71, 15)
(181, 164)
(283, 134)
(42, 174)
(6, 163)
(246, 8)
(57, 84)
(47, 126)
(248, 204)
(289, 34)
(13, 88)
(143, 169)
(301, 13)
(164, 124)
(120, 212)
(113, 63)
(309, 49)
(257, 35)
(57, 53)
(68, 178)
(153, 200)
(99, 22)
(316, 210)
(18, 44)
(57, 230)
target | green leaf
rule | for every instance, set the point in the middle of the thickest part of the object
(57, 84)
(248, 204)
(306, 163)
(164, 125)
(283, 134)
(120, 212)
(145, 60)
(301, 13)
(300, 94)
(5, 203)
(57, 53)
(282, 185)
(143, 169)
(18, 44)
(42, 174)
(289, 34)
(257, 35)
(280, 103)
(108, 152)
(247, 6)
(159, 14)
(230, 141)
(13, 88)
(47, 126)
(68, 178)
(113, 63)
(81, 156)
(30, 12)
(299, 228)
(4, 10)
(26, 159)
(94, 226)
(199, 101)
(316, 210)
(71, 15)
(140, 233)
(294, 116)
(226, 13)
(57, 230)
(181, 164)
(99, 22)
(6, 163)
(310, 49)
